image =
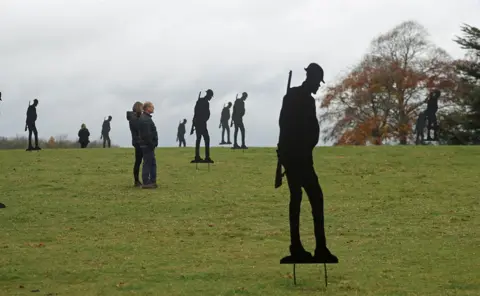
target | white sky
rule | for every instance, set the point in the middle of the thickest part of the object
(87, 59)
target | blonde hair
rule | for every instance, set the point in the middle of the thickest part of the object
(146, 105)
(137, 107)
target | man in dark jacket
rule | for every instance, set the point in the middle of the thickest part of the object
(134, 123)
(224, 118)
(199, 123)
(30, 125)
(299, 134)
(148, 143)
(237, 119)
(181, 134)
(106, 132)
(83, 136)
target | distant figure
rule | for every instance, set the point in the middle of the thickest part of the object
(431, 114)
(199, 124)
(106, 132)
(420, 128)
(0, 95)
(30, 125)
(237, 119)
(299, 134)
(134, 123)
(83, 136)
(224, 118)
(181, 133)
(148, 143)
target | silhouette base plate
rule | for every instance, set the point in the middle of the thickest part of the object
(292, 260)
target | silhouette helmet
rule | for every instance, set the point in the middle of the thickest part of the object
(244, 94)
(209, 92)
(314, 70)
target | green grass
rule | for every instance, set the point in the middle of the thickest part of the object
(402, 220)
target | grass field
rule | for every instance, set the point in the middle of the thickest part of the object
(402, 220)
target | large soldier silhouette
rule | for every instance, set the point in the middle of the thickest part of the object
(237, 119)
(30, 125)
(199, 124)
(299, 134)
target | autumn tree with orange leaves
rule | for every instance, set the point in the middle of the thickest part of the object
(380, 98)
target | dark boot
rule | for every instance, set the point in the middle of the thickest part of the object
(208, 160)
(197, 159)
(137, 184)
(323, 255)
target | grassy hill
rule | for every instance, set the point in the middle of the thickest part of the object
(402, 220)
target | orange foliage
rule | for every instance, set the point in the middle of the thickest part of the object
(51, 142)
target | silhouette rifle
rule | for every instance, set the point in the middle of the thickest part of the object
(193, 120)
(278, 172)
(27, 116)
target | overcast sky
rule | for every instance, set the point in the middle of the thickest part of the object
(87, 59)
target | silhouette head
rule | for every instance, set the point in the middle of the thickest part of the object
(35, 102)
(314, 77)
(110, 118)
(244, 96)
(83, 125)
(137, 108)
(148, 107)
(184, 121)
(435, 94)
(209, 94)
(229, 105)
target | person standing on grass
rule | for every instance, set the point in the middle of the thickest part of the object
(299, 134)
(134, 123)
(83, 136)
(148, 143)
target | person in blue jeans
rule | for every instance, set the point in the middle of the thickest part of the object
(148, 142)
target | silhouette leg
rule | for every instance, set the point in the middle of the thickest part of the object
(30, 137)
(104, 141)
(206, 138)
(315, 196)
(294, 185)
(197, 145)
(235, 134)
(109, 142)
(35, 133)
(228, 134)
(242, 130)
(223, 133)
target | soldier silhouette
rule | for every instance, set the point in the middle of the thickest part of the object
(199, 124)
(299, 134)
(420, 128)
(225, 117)
(181, 134)
(83, 136)
(237, 119)
(30, 125)
(106, 132)
(431, 114)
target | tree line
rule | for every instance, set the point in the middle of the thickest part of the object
(59, 142)
(378, 100)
